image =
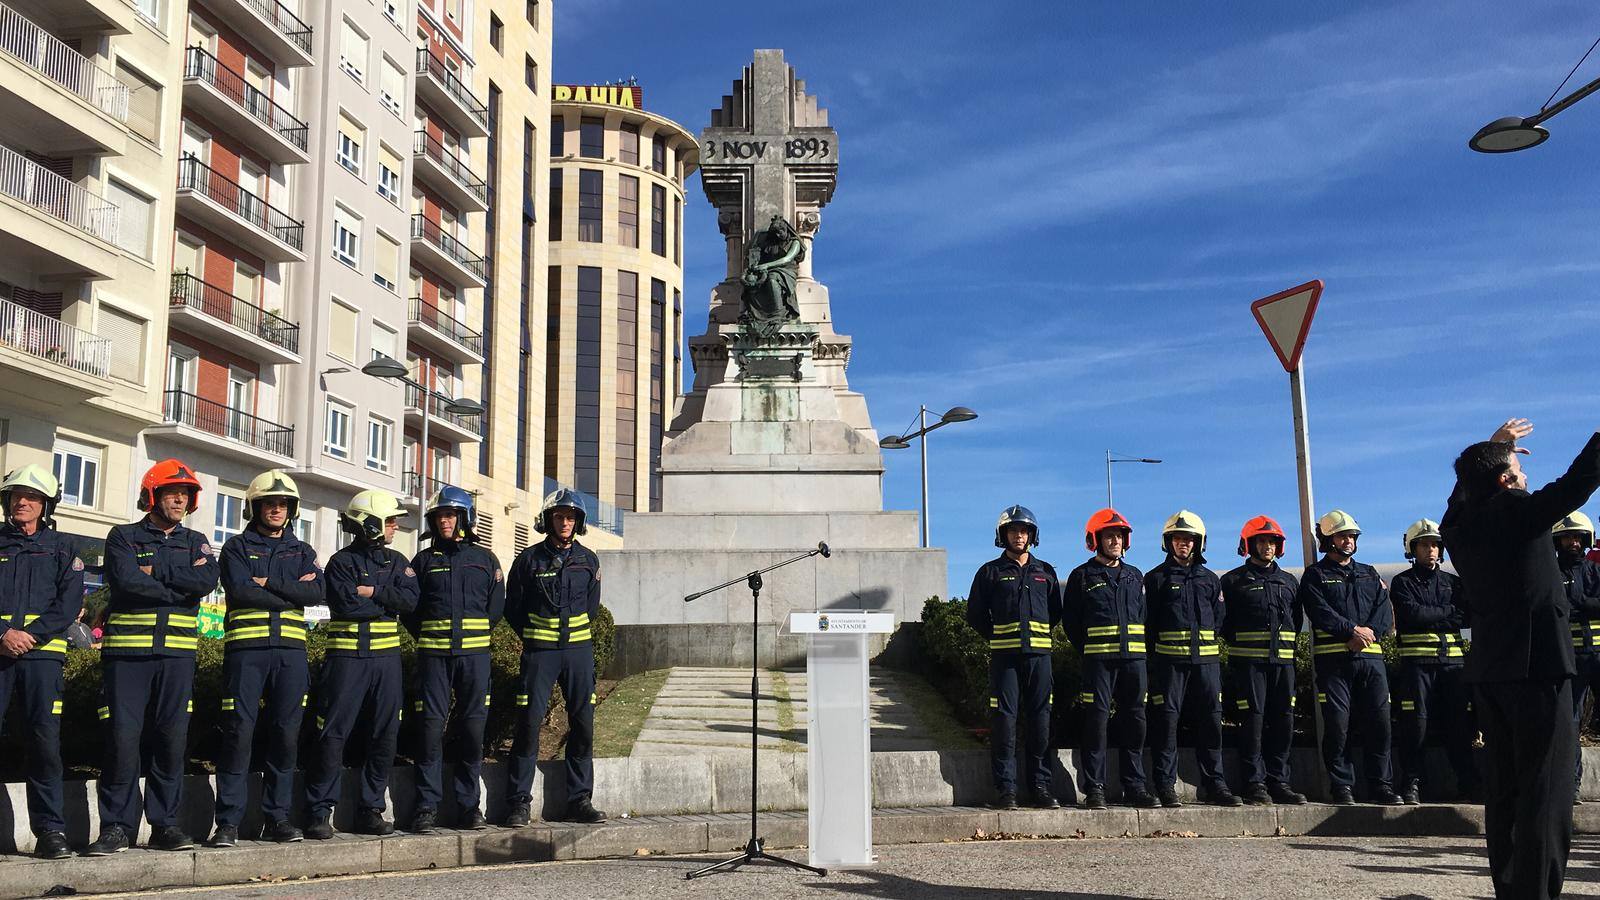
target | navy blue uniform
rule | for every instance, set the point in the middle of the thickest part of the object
(264, 669)
(1429, 612)
(1104, 613)
(1582, 580)
(1014, 606)
(41, 591)
(361, 677)
(1186, 670)
(148, 666)
(463, 598)
(1337, 599)
(1260, 622)
(552, 599)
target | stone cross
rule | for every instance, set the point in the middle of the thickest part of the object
(768, 152)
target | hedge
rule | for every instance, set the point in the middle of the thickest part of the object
(83, 738)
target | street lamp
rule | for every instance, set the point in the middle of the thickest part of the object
(902, 441)
(1512, 133)
(1118, 458)
(388, 367)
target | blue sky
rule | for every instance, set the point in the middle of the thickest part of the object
(1058, 214)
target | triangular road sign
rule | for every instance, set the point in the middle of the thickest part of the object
(1285, 318)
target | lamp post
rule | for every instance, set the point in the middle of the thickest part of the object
(388, 367)
(902, 441)
(1118, 458)
(1512, 133)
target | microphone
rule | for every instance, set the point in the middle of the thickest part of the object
(822, 547)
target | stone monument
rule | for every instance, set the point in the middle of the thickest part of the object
(770, 451)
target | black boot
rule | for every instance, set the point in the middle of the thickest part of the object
(1219, 795)
(171, 837)
(1094, 798)
(1168, 795)
(321, 827)
(473, 820)
(426, 821)
(224, 836)
(280, 831)
(1256, 794)
(584, 813)
(52, 845)
(519, 815)
(1342, 796)
(113, 839)
(1140, 798)
(371, 821)
(1008, 800)
(1286, 796)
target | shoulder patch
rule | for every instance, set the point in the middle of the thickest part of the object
(77, 564)
(497, 575)
(410, 572)
(205, 548)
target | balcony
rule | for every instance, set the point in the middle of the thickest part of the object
(269, 26)
(205, 423)
(441, 424)
(61, 100)
(82, 18)
(411, 487)
(241, 109)
(448, 174)
(54, 227)
(443, 92)
(235, 323)
(443, 335)
(445, 255)
(39, 353)
(219, 203)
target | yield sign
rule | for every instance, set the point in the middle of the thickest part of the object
(1285, 318)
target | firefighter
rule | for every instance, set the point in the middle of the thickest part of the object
(1104, 613)
(552, 600)
(1348, 605)
(463, 598)
(1185, 601)
(1260, 622)
(1014, 602)
(41, 594)
(269, 577)
(158, 572)
(1430, 611)
(1573, 536)
(369, 586)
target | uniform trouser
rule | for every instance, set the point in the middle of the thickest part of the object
(1529, 741)
(39, 683)
(352, 686)
(452, 730)
(1113, 686)
(265, 685)
(1020, 683)
(1347, 687)
(148, 702)
(571, 667)
(1264, 694)
(1585, 683)
(1431, 694)
(1197, 688)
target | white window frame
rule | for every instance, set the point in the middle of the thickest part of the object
(385, 99)
(329, 447)
(377, 275)
(230, 525)
(380, 452)
(355, 344)
(89, 460)
(348, 150)
(342, 236)
(354, 68)
(388, 181)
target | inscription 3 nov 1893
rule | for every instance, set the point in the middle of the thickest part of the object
(799, 150)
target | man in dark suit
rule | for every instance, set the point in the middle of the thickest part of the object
(1521, 662)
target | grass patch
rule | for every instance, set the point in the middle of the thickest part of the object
(618, 720)
(780, 692)
(934, 712)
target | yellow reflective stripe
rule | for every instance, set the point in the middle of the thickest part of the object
(132, 619)
(1331, 648)
(1136, 646)
(1322, 697)
(343, 643)
(1157, 699)
(303, 699)
(486, 699)
(1136, 628)
(55, 645)
(575, 621)
(236, 615)
(181, 643)
(522, 699)
(227, 704)
(474, 623)
(103, 712)
(473, 643)
(190, 707)
(55, 708)
(388, 643)
(1406, 705)
(1242, 704)
(1253, 652)
(1251, 636)
(175, 620)
(293, 634)
(1005, 644)
(246, 634)
(432, 643)
(541, 620)
(994, 702)
(1040, 627)
(1086, 697)
(583, 635)
(1007, 627)
(436, 625)
(128, 640)
(1102, 648)
(540, 634)
(1372, 648)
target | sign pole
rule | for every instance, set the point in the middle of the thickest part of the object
(1302, 456)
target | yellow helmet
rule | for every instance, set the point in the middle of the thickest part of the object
(271, 483)
(1422, 528)
(1184, 521)
(367, 511)
(33, 477)
(1576, 522)
(1333, 523)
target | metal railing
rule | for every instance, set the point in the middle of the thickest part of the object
(427, 230)
(596, 512)
(189, 291)
(200, 65)
(425, 313)
(425, 144)
(46, 54)
(437, 411)
(434, 67)
(194, 175)
(411, 484)
(283, 21)
(57, 197)
(51, 339)
(225, 421)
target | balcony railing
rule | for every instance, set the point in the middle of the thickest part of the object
(287, 23)
(57, 197)
(425, 313)
(189, 291)
(225, 421)
(411, 484)
(44, 53)
(194, 175)
(425, 144)
(436, 410)
(596, 512)
(434, 67)
(37, 334)
(202, 66)
(425, 229)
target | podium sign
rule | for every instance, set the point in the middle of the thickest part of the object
(839, 734)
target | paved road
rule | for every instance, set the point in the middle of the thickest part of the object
(1186, 868)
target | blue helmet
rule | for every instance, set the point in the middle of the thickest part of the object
(452, 497)
(559, 498)
(1016, 515)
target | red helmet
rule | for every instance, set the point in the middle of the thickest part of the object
(1102, 520)
(1260, 525)
(167, 473)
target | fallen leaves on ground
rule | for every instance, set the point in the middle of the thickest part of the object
(1158, 833)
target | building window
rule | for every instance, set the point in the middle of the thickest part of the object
(677, 230)
(592, 138)
(336, 437)
(126, 337)
(658, 220)
(628, 211)
(133, 216)
(452, 10)
(627, 388)
(77, 469)
(391, 11)
(346, 236)
(591, 204)
(552, 378)
(533, 13)
(351, 137)
(557, 176)
(530, 74)
(392, 86)
(385, 341)
(496, 32)
(628, 151)
(558, 135)
(342, 321)
(380, 434)
(229, 518)
(386, 263)
(353, 52)
(389, 168)
(586, 412)
(658, 154)
(304, 526)
(658, 302)
(144, 102)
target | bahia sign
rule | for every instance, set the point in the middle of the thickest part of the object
(623, 95)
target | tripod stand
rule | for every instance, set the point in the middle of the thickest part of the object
(754, 849)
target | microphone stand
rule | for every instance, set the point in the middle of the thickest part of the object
(754, 850)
